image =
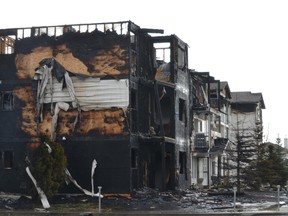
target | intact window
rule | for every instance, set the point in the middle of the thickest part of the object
(7, 158)
(7, 101)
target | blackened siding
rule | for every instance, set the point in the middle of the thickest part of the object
(13, 141)
(113, 163)
(99, 134)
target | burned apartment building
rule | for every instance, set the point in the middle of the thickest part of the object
(113, 92)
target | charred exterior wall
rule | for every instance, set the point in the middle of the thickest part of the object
(97, 133)
(66, 88)
(182, 111)
(13, 140)
(164, 118)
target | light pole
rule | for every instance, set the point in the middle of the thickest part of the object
(278, 196)
(99, 195)
(235, 190)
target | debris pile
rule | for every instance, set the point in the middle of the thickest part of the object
(147, 199)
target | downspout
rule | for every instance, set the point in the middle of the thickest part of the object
(209, 137)
(209, 133)
(191, 158)
(209, 146)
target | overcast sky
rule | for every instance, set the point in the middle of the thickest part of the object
(243, 42)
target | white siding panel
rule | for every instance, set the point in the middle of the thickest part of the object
(92, 93)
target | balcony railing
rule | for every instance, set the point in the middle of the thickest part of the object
(201, 140)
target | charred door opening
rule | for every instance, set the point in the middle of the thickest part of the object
(164, 110)
(158, 167)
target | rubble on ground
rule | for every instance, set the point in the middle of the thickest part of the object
(147, 199)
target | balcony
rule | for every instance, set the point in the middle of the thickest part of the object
(201, 140)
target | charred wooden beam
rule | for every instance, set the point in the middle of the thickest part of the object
(148, 30)
(162, 39)
(157, 101)
(6, 32)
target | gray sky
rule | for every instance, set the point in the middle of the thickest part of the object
(243, 42)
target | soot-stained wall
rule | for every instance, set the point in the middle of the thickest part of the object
(137, 129)
(97, 133)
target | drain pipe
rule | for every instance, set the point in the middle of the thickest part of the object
(209, 147)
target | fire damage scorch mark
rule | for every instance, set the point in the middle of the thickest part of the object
(28, 110)
(77, 94)
(42, 196)
(104, 59)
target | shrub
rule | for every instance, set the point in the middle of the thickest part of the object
(49, 168)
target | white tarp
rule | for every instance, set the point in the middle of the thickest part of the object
(42, 195)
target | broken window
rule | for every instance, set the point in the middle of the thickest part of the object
(7, 159)
(182, 163)
(7, 44)
(7, 102)
(182, 111)
(134, 157)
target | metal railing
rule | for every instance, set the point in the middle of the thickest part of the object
(201, 140)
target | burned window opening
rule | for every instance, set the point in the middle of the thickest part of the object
(182, 163)
(133, 99)
(7, 44)
(182, 111)
(166, 115)
(163, 58)
(166, 110)
(121, 28)
(7, 101)
(7, 159)
(163, 51)
(182, 59)
(133, 106)
(134, 158)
